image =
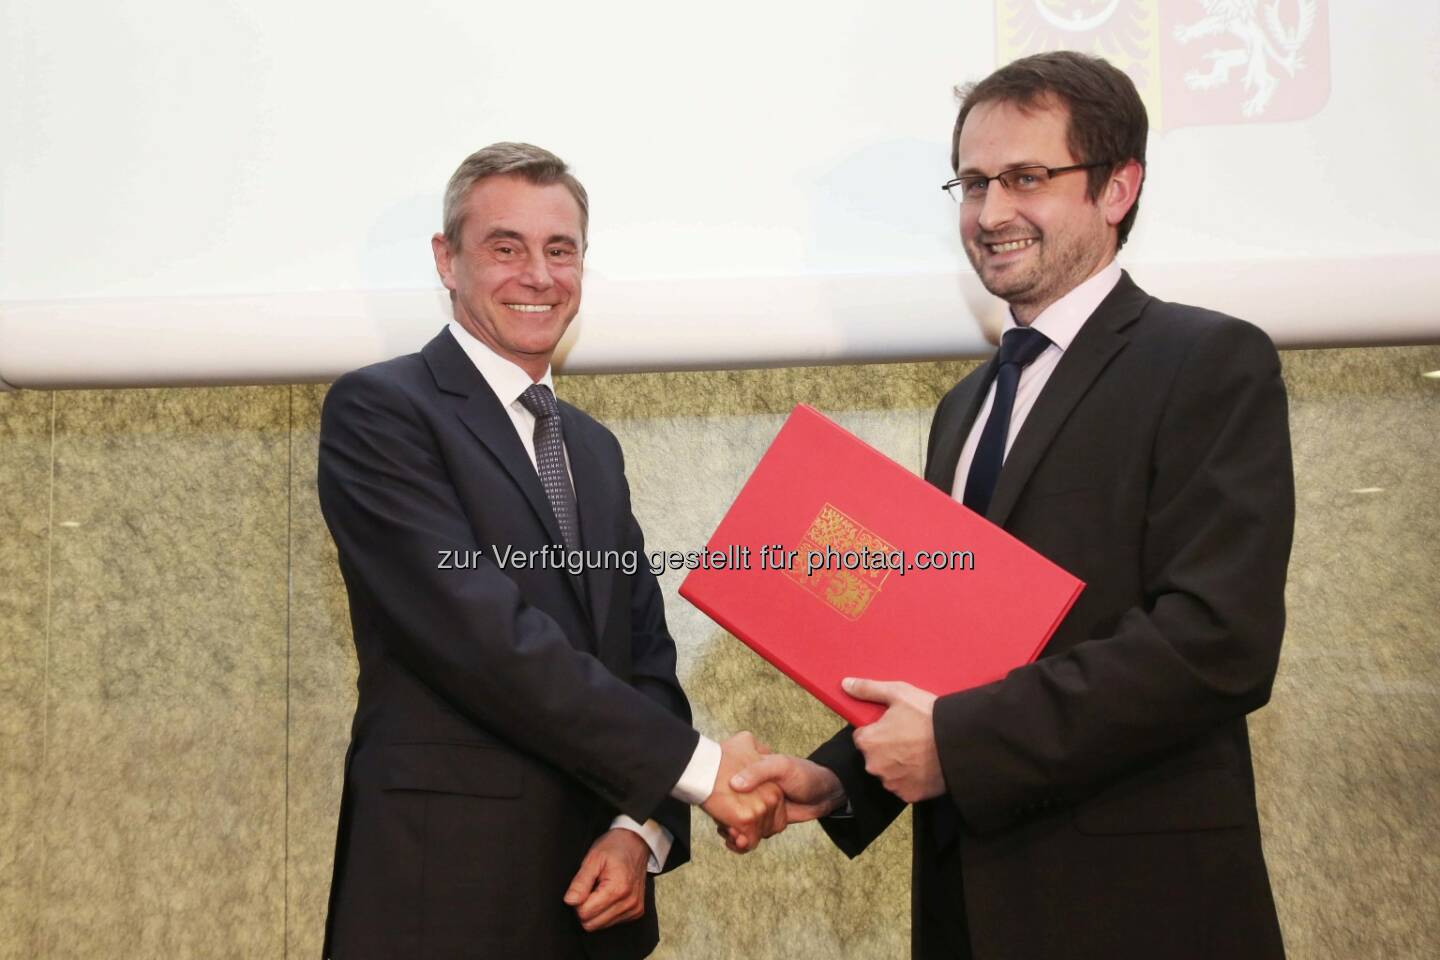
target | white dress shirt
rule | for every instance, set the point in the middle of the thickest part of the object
(1060, 322)
(508, 382)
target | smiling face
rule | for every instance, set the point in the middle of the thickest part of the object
(515, 277)
(1031, 250)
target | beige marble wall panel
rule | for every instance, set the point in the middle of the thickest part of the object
(1348, 751)
(322, 688)
(164, 786)
(900, 386)
(25, 420)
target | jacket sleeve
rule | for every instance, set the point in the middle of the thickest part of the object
(1202, 648)
(391, 508)
(653, 673)
(872, 807)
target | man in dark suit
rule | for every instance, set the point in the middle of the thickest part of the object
(521, 754)
(1100, 802)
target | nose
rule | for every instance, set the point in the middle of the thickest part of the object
(997, 209)
(537, 271)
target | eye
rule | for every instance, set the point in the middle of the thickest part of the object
(504, 249)
(974, 186)
(1026, 180)
(559, 253)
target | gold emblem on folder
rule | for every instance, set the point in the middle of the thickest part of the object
(841, 563)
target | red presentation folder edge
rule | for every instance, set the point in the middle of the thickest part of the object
(819, 487)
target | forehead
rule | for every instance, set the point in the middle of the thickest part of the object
(514, 203)
(998, 135)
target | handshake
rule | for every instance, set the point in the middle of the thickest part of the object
(758, 793)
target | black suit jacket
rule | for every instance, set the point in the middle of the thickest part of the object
(504, 716)
(1105, 794)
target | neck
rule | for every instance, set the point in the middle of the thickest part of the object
(1025, 313)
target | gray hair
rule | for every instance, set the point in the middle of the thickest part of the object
(534, 164)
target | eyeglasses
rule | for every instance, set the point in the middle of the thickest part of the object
(1019, 180)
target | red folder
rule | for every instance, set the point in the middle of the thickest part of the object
(817, 567)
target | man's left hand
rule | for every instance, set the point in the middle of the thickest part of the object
(610, 886)
(899, 748)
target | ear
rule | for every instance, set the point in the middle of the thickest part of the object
(1121, 191)
(443, 266)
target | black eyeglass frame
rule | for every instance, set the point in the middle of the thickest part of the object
(1050, 174)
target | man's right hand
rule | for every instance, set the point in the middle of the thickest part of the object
(810, 792)
(744, 816)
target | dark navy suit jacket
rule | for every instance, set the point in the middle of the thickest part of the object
(505, 715)
(1104, 795)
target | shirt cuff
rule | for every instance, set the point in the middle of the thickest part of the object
(656, 837)
(698, 781)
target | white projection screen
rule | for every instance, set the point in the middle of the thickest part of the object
(243, 192)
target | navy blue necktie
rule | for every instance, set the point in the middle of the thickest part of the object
(1017, 349)
(550, 460)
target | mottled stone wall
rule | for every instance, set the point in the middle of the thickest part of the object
(151, 616)
(176, 672)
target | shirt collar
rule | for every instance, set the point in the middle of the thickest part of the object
(504, 376)
(1062, 320)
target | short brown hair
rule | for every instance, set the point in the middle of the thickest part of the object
(1107, 120)
(535, 164)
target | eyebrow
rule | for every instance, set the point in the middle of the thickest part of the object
(500, 233)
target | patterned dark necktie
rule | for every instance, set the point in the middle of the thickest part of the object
(550, 460)
(1017, 349)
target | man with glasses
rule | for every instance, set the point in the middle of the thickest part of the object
(1100, 802)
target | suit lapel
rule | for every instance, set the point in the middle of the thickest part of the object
(487, 419)
(596, 512)
(951, 433)
(1091, 350)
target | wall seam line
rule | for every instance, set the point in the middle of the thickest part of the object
(45, 668)
(289, 598)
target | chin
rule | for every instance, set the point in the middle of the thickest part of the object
(550, 343)
(1006, 286)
